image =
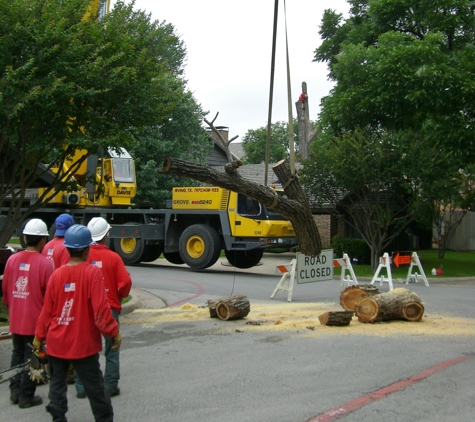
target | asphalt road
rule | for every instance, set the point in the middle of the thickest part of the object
(205, 369)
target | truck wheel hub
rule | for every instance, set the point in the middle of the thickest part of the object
(128, 245)
(195, 246)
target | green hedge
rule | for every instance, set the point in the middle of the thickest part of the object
(355, 248)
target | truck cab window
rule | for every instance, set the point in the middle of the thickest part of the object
(123, 170)
(247, 206)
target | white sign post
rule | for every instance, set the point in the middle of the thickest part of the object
(315, 268)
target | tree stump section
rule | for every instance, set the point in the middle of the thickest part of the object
(370, 289)
(351, 296)
(233, 307)
(338, 318)
(396, 304)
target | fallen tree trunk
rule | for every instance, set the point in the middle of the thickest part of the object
(338, 318)
(396, 304)
(294, 208)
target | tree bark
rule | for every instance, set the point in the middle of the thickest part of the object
(212, 304)
(396, 304)
(339, 318)
(306, 133)
(294, 208)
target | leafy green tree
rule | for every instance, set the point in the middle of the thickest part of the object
(70, 81)
(255, 140)
(180, 136)
(403, 74)
(376, 181)
(402, 65)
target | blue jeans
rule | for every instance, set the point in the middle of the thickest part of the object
(112, 371)
(89, 371)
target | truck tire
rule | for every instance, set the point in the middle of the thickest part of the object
(130, 249)
(244, 259)
(21, 237)
(151, 253)
(52, 231)
(200, 246)
(173, 258)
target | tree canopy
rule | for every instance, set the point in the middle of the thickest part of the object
(378, 182)
(402, 65)
(398, 124)
(71, 81)
(180, 136)
(255, 140)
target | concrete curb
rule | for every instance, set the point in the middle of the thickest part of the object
(142, 299)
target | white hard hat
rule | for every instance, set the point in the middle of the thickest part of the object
(99, 227)
(36, 227)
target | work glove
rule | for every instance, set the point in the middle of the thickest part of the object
(116, 341)
(37, 343)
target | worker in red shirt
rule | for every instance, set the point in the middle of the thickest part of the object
(25, 279)
(75, 313)
(55, 250)
(118, 283)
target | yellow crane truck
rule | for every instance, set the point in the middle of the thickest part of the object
(196, 225)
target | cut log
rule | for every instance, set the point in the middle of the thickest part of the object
(396, 304)
(351, 296)
(338, 318)
(233, 307)
(370, 289)
(227, 310)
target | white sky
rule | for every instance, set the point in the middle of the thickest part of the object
(229, 47)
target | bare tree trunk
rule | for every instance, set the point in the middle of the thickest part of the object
(295, 207)
(306, 133)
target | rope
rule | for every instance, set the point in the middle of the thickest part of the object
(289, 102)
(291, 179)
(271, 91)
(276, 199)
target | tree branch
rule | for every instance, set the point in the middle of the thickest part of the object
(295, 208)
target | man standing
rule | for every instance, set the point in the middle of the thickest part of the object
(74, 315)
(24, 286)
(55, 250)
(118, 283)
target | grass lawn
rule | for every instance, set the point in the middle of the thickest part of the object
(454, 264)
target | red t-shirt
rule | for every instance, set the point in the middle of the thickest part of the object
(75, 313)
(56, 252)
(117, 279)
(24, 284)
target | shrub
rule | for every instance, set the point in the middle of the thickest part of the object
(355, 248)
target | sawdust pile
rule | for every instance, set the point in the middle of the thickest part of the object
(303, 318)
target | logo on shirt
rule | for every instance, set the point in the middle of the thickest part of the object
(24, 267)
(65, 319)
(97, 264)
(20, 285)
(50, 252)
(70, 287)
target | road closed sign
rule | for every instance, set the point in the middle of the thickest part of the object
(315, 268)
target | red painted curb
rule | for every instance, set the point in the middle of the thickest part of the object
(352, 405)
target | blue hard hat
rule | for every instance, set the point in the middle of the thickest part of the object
(63, 222)
(77, 237)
